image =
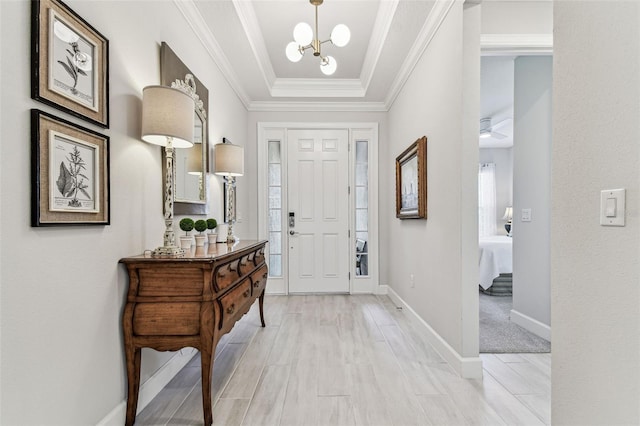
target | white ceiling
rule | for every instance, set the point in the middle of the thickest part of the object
(496, 98)
(247, 38)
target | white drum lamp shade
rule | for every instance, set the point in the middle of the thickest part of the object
(194, 160)
(229, 160)
(167, 113)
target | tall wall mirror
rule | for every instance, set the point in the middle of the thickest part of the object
(191, 164)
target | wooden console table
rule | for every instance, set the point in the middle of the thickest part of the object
(189, 301)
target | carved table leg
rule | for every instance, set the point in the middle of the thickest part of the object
(261, 303)
(208, 342)
(133, 381)
(206, 359)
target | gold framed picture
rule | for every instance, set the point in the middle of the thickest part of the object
(411, 181)
(70, 62)
(69, 173)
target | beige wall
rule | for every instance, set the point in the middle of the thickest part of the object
(595, 273)
(62, 290)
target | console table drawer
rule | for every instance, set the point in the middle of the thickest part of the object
(246, 264)
(171, 318)
(234, 302)
(259, 280)
(226, 275)
(170, 281)
(259, 257)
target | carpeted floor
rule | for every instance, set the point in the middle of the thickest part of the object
(499, 335)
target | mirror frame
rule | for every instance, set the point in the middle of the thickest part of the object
(174, 73)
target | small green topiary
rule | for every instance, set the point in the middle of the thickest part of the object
(200, 225)
(186, 225)
(211, 224)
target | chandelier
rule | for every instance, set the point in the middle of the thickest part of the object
(304, 39)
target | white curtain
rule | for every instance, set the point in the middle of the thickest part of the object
(487, 200)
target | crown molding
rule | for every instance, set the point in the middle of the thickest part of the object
(265, 106)
(429, 29)
(516, 44)
(317, 87)
(201, 30)
(247, 15)
(384, 18)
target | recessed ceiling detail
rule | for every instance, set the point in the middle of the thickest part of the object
(245, 38)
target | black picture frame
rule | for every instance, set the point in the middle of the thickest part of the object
(69, 62)
(70, 176)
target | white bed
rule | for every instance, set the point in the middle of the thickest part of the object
(495, 258)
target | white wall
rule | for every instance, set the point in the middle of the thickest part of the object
(595, 273)
(62, 288)
(431, 103)
(532, 190)
(503, 159)
(517, 17)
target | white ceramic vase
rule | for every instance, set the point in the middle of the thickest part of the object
(212, 237)
(185, 242)
(200, 239)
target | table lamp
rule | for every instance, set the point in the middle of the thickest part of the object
(167, 120)
(229, 163)
(508, 215)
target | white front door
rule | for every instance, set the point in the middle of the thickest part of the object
(318, 209)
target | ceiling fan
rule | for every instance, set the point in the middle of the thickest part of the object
(488, 131)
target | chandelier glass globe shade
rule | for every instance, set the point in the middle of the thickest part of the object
(303, 34)
(293, 52)
(340, 35)
(330, 66)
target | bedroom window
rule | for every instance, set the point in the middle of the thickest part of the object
(487, 200)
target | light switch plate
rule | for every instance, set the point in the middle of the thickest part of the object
(606, 198)
(525, 215)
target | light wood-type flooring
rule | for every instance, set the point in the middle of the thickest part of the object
(349, 360)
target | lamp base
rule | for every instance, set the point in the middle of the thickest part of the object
(168, 251)
(507, 227)
(231, 237)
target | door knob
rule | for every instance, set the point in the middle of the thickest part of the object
(292, 232)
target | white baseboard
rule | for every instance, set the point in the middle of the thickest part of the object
(533, 325)
(382, 289)
(152, 387)
(467, 367)
(275, 287)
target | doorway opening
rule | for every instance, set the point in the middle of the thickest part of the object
(514, 204)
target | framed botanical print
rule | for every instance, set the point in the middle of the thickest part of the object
(70, 62)
(411, 181)
(69, 173)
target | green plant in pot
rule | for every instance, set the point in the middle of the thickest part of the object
(211, 225)
(186, 225)
(201, 226)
